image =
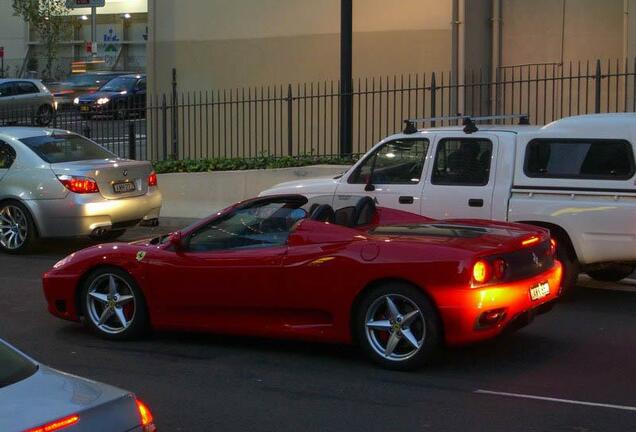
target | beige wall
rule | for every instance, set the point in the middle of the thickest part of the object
(13, 37)
(225, 44)
(532, 30)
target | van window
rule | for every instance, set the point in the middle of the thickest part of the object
(579, 158)
(462, 161)
(396, 162)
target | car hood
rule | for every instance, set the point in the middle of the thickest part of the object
(50, 395)
(97, 95)
(321, 185)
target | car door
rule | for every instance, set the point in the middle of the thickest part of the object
(392, 173)
(27, 97)
(226, 276)
(461, 178)
(7, 100)
(7, 157)
(139, 100)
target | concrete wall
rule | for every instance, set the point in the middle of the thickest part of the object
(13, 37)
(196, 195)
(224, 43)
(532, 30)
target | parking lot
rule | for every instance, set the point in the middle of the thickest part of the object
(570, 370)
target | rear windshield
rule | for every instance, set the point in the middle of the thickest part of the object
(13, 366)
(66, 148)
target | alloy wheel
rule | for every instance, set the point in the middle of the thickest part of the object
(395, 327)
(14, 227)
(111, 303)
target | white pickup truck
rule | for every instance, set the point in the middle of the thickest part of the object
(575, 176)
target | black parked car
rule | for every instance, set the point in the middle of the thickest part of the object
(120, 97)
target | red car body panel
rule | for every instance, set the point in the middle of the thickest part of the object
(307, 288)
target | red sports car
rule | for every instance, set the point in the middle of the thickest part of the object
(398, 284)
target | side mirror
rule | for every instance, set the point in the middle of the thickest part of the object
(176, 241)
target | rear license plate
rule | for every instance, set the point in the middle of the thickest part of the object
(540, 291)
(84, 108)
(124, 187)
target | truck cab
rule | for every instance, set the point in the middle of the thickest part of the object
(575, 176)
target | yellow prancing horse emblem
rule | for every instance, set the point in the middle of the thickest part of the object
(320, 261)
(140, 255)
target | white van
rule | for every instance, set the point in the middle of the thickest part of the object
(575, 176)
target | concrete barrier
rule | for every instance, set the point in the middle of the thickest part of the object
(195, 195)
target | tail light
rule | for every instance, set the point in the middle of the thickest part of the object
(152, 179)
(57, 424)
(553, 246)
(147, 421)
(485, 271)
(530, 241)
(80, 185)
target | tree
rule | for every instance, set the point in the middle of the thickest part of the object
(46, 17)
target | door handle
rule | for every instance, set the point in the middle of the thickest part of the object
(405, 200)
(474, 202)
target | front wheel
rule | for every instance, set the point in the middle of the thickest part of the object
(611, 273)
(44, 116)
(17, 229)
(397, 326)
(113, 305)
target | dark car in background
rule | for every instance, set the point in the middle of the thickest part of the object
(80, 84)
(119, 98)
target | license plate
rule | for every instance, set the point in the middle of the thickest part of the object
(124, 187)
(540, 291)
(84, 108)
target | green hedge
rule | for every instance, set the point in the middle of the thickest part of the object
(218, 164)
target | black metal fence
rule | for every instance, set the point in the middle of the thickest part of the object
(303, 119)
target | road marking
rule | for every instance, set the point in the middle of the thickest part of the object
(551, 399)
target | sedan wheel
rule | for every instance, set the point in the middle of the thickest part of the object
(397, 326)
(113, 305)
(17, 231)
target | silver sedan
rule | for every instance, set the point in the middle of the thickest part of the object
(26, 100)
(36, 398)
(55, 183)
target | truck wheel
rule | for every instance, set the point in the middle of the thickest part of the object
(611, 273)
(570, 265)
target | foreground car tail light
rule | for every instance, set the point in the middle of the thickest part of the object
(482, 272)
(146, 417)
(152, 179)
(80, 185)
(57, 424)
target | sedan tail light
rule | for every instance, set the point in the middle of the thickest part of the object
(152, 179)
(56, 425)
(80, 185)
(147, 421)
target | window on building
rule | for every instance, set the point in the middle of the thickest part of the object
(396, 162)
(579, 158)
(462, 161)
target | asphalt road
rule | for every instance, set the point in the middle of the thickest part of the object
(572, 369)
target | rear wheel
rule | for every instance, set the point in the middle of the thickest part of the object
(113, 305)
(17, 229)
(611, 273)
(44, 115)
(397, 326)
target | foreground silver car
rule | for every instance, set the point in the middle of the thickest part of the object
(55, 183)
(36, 398)
(26, 100)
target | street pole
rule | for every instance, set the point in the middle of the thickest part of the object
(93, 30)
(346, 78)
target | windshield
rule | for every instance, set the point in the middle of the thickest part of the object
(66, 148)
(120, 84)
(13, 366)
(88, 80)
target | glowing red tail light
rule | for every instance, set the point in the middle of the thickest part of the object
(553, 246)
(80, 185)
(146, 417)
(57, 424)
(530, 241)
(482, 272)
(152, 179)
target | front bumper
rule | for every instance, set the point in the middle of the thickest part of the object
(80, 215)
(461, 309)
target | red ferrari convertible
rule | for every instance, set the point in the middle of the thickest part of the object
(398, 284)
